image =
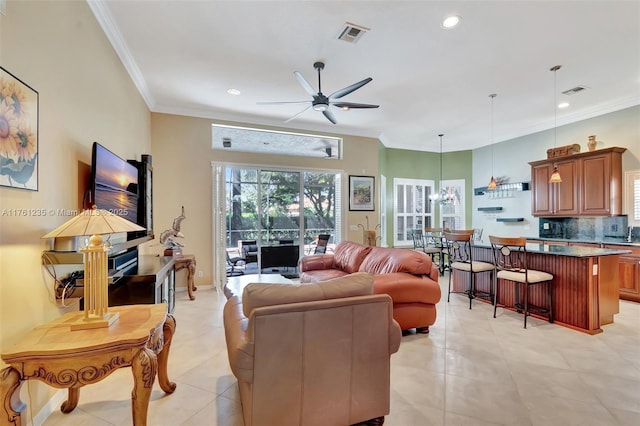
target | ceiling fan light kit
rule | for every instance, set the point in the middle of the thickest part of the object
(321, 102)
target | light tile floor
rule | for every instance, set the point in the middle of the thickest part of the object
(471, 369)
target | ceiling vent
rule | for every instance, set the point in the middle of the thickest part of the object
(574, 90)
(351, 33)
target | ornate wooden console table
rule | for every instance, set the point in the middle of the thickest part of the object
(53, 354)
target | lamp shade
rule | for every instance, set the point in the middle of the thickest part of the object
(555, 176)
(93, 222)
(492, 184)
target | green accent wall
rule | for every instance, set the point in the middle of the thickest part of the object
(402, 163)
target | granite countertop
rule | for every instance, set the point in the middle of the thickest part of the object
(571, 251)
(605, 240)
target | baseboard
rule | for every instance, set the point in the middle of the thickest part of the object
(52, 405)
(203, 287)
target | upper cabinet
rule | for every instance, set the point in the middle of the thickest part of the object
(555, 199)
(591, 185)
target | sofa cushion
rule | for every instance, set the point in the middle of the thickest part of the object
(257, 295)
(383, 260)
(315, 276)
(349, 255)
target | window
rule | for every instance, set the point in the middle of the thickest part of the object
(412, 209)
(632, 197)
(452, 211)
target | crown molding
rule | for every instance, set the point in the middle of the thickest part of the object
(103, 15)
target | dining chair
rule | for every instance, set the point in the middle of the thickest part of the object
(434, 246)
(418, 240)
(510, 255)
(460, 258)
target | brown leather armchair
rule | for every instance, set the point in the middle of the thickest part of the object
(312, 354)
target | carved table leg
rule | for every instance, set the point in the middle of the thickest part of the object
(12, 406)
(144, 368)
(72, 400)
(190, 266)
(191, 287)
(163, 356)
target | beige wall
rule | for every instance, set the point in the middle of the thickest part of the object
(182, 158)
(85, 95)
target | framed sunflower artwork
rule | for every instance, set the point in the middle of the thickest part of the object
(18, 133)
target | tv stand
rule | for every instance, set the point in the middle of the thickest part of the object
(152, 280)
(149, 280)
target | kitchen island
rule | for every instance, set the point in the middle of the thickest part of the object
(585, 283)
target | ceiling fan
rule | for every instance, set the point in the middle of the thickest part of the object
(327, 149)
(320, 101)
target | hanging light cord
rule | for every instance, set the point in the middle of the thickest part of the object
(555, 175)
(555, 103)
(440, 183)
(492, 96)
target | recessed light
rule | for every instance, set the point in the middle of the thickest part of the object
(234, 92)
(563, 104)
(450, 21)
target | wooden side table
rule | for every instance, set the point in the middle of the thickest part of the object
(188, 262)
(53, 354)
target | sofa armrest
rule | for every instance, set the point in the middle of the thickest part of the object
(435, 272)
(407, 288)
(316, 262)
(239, 350)
(395, 336)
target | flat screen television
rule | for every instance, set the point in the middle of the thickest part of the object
(114, 186)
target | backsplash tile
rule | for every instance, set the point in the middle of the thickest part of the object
(585, 228)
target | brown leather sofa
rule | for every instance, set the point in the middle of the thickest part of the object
(313, 354)
(409, 277)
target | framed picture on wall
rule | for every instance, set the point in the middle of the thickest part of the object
(361, 193)
(18, 133)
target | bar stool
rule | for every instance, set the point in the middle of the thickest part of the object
(510, 255)
(459, 245)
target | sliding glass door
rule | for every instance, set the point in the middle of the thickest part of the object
(263, 207)
(279, 210)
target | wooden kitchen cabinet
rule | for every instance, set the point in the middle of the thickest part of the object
(629, 269)
(555, 199)
(591, 185)
(601, 185)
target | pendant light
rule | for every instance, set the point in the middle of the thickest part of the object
(436, 194)
(492, 183)
(555, 175)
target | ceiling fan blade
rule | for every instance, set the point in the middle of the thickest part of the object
(327, 113)
(343, 92)
(291, 118)
(349, 105)
(305, 85)
(277, 103)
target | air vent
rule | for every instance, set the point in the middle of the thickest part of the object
(351, 33)
(574, 90)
